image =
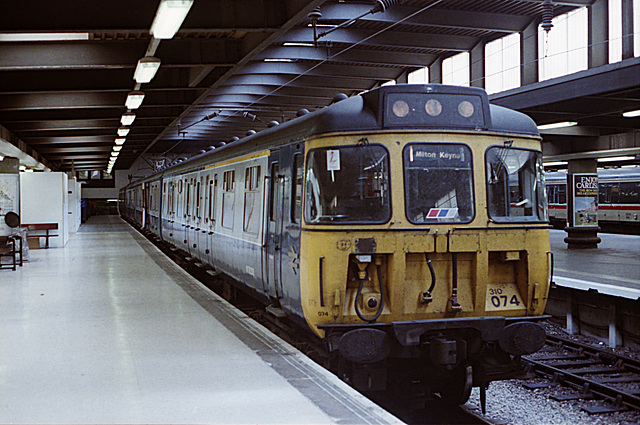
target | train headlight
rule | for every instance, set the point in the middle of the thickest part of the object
(433, 107)
(400, 108)
(363, 258)
(465, 108)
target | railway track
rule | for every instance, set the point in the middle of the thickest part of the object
(591, 372)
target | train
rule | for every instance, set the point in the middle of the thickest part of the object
(406, 228)
(618, 197)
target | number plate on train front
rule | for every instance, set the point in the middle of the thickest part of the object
(503, 296)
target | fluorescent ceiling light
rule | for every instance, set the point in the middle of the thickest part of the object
(134, 99)
(127, 118)
(557, 125)
(631, 114)
(45, 36)
(616, 158)
(123, 131)
(554, 163)
(117, 148)
(169, 17)
(146, 69)
(120, 141)
(115, 154)
(278, 60)
(296, 44)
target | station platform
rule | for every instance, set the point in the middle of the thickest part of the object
(612, 269)
(109, 330)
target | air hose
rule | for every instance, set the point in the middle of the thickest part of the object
(359, 293)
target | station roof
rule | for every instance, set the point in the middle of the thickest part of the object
(235, 66)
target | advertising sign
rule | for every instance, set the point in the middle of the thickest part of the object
(585, 200)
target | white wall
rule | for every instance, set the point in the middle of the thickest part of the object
(43, 199)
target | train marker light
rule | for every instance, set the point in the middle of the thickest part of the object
(169, 18)
(146, 69)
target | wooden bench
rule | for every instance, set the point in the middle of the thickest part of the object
(41, 227)
(11, 246)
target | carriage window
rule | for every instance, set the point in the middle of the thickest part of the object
(515, 185)
(275, 170)
(197, 195)
(629, 193)
(252, 200)
(228, 198)
(296, 196)
(213, 185)
(348, 185)
(438, 181)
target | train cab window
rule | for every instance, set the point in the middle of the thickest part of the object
(348, 184)
(515, 185)
(438, 181)
(296, 195)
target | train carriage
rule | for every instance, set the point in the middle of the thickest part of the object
(618, 197)
(407, 227)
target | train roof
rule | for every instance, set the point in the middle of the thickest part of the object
(374, 111)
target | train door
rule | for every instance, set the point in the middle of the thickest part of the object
(212, 197)
(273, 251)
(282, 256)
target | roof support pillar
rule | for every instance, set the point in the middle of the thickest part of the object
(435, 71)
(529, 54)
(477, 67)
(598, 29)
(627, 29)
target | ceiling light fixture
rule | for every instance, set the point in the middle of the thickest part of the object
(123, 131)
(169, 17)
(557, 125)
(128, 118)
(554, 163)
(120, 141)
(134, 99)
(146, 69)
(45, 36)
(616, 158)
(631, 114)
(117, 148)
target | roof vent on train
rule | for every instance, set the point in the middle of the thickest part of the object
(251, 132)
(211, 148)
(339, 97)
(273, 123)
(234, 139)
(201, 151)
(302, 112)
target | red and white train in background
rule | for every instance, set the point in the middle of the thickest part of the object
(618, 197)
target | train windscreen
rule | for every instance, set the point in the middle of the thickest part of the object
(515, 185)
(347, 185)
(438, 181)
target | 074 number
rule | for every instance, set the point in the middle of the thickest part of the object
(503, 301)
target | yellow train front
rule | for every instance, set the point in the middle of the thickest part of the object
(424, 245)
